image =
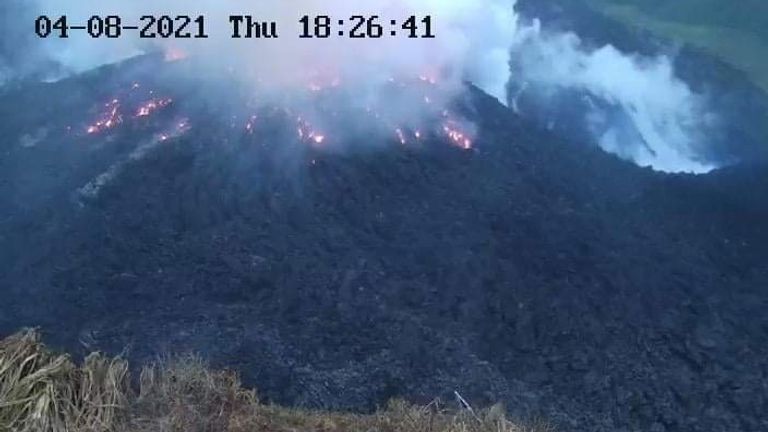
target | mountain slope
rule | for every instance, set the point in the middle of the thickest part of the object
(543, 273)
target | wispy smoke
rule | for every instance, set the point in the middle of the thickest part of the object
(632, 106)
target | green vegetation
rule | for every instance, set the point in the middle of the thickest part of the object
(734, 30)
(41, 391)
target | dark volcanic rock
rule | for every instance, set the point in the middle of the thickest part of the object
(553, 277)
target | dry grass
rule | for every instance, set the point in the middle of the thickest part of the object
(185, 395)
(44, 392)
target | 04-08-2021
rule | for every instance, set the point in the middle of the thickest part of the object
(241, 26)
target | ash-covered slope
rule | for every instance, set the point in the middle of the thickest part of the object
(545, 274)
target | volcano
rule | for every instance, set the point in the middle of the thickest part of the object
(472, 252)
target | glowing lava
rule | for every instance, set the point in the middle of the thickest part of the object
(109, 119)
(457, 136)
(307, 133)
(151, 106)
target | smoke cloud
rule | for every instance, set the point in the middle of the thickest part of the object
(632, 106)
(472, 40)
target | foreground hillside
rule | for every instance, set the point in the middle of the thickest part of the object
(41, 391)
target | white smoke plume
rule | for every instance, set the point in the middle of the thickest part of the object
(661, 121)
(634, 106)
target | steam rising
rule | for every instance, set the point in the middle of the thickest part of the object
(634, 107)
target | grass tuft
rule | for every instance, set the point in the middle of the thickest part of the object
(41, 391)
